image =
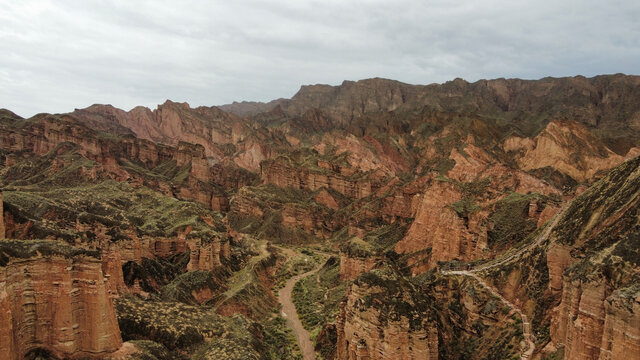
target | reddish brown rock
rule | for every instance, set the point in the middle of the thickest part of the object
(566, 146)
(438, 226)
(621, 333)
(578, 322)
(51, 132)
(2, 228)
(58, 304)
(284, 175)
(369, 333)
(324, 198)
(204, 255)
(112, 269)
(558, 258)
(352, 266)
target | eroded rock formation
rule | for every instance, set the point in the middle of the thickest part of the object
(55, 298)
(380, 330)
(2, 227)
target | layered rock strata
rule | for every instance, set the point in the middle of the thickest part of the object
(2, 227)
(57, 302)
(382, 331)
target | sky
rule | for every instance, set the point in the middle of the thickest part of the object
(56, 56)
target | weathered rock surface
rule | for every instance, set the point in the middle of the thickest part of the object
(58, 302)
(336, 178)
(567, 147)
(352, 266)
(370, 332)
(2, 227)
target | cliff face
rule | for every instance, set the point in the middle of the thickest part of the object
(387, 316)
(591, 324)
(603, 226)
(2, 227)
(573, 284)
(57, 301)
(621, 333)
(473, 214)
(580, 321)
(352, 266)
(183, 170)
(567, 147)
(335, 178)
(172, 123)
(383, 331)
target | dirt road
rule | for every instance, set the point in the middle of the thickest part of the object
(526, 326)
(290, 314)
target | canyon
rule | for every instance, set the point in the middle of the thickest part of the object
(487, 220)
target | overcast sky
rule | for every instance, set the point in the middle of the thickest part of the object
(59, 55)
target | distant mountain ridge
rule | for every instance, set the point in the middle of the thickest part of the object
(600, 102)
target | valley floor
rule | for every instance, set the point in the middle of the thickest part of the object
(293, 320)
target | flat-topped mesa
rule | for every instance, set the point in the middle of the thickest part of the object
(54, 298)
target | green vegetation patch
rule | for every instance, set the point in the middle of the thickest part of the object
(150, 350)
(182, 287)
(62, 166)
(25, 249)
(607, 196)
(357, 247)
(511, 223)
(386, 237)
(117, 206)
(240, 340)
(317, 297)
(394, 297)
(153, 273)
(465, 207)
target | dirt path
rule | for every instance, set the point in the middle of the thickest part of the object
(526, 325)
(290, 314)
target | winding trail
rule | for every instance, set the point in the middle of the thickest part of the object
(529, 338)
(290, 314)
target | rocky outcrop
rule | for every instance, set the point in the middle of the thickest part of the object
(171, 123)
(184, 170)
(55, 298)
(281, 215)
(204, 255)
(2, 227)
(579, 322)
(285, 175)
(621, 331)
(567, 147)
(368, 332)
(352, 266)
(558, 259)
(437, 226)
(591, 324)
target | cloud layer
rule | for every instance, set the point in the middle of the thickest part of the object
(64, 54)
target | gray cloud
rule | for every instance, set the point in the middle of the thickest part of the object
(59, 55)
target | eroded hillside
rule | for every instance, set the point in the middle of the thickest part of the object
(167, 233)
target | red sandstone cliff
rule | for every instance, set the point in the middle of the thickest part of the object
(567, 147)
(56, 302)
(373, 333)
(2, 227)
